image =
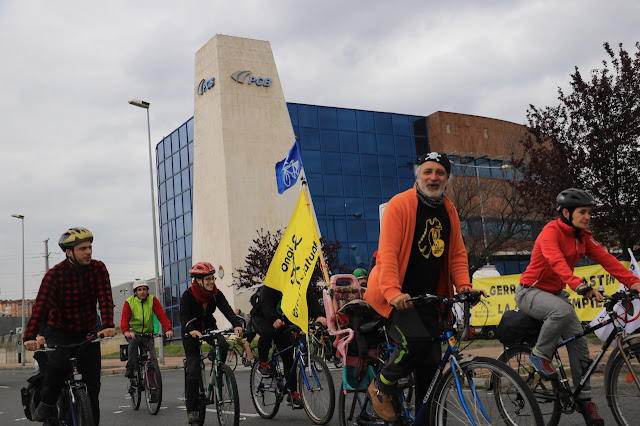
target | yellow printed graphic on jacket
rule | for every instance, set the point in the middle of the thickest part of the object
(430, 242)
(293, 264)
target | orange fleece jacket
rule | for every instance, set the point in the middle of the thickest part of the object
(394, 248)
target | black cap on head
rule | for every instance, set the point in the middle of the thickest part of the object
(437, 157)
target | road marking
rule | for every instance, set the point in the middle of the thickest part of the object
(213, 410)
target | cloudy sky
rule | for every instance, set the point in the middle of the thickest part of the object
(74, 152)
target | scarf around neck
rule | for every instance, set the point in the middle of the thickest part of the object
(431, 202)
(202, 295)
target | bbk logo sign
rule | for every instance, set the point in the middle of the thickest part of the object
(206, 85)
(241, 76)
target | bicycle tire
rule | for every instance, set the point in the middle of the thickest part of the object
(202, 397)
(319, 399)
(363, 412)
(227, 408)
(502, 397)
(232, 358)
(545, 391)
(84, 415)
(622, 393)
(153, 388)
(135, 389)
(265, 393)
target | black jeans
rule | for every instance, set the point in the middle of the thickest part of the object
(58, 368)
(282, 340)
(412, 331)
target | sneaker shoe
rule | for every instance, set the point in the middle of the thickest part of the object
(266, 369)
(297, 402)
(194, 417)
(44, 412)
(589, 411)
(542, 366)
(381, 403)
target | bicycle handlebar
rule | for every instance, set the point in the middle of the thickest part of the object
(471, 296)
(209, 333)
(49, 348)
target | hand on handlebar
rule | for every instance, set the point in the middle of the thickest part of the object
(238, 331)
(589, 293)
(107, 332)
(278, 323)
(400, 301)
(169, 334)
(31, 345)
(195, 334)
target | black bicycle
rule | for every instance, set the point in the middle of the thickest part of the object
(73, 406)
(220, 387)
(622, 386)
(315, 383)
(147, 377)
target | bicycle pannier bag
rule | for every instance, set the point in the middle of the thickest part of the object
(518, 327)
(31, 394)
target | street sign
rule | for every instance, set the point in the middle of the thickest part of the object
(18, 330)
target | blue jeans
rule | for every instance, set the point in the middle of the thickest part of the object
(560, 321)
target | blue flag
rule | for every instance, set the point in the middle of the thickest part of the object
(288, 170)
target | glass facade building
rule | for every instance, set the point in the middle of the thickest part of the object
(354, 160)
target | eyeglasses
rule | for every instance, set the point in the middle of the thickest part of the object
(209, 279)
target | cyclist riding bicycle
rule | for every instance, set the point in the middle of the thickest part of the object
(541, 295)
(137, 318)
(271, 324)
(248, 335)
(69, 293)
(197, 306)
(420, 251)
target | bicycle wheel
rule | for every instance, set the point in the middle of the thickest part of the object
(265, 393)
(202, 397)
(622, 393)
(484, 392)
(226, 398)
(319, 396)
(135, 389)
(153, 392)
(232, 357)
(545, 391)
(84, 415)
(355, 408)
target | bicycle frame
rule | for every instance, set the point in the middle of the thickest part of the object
(208, 386)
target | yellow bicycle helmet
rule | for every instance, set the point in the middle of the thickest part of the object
(74, 236)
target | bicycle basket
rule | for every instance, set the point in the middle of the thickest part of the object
(124, 352)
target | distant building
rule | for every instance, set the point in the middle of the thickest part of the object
(13, 308)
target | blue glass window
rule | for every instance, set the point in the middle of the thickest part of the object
(333, 185)
(332, 162)
(165, 261)
(308, 116)
(404, 146)
(179, 227)
(387, 166)
(182, 271)
(354, 206)
(159, 151)
(180, 251)
(177, 184)
(309, 138)
(389, 187)
(191, 174)
(367, 143)
(293, 114)
(168, 167)
(184, 158)
(328, 118)
(183, 136)
(406, 183)
(346, 119)
(186, 200)
(335, 206)
(188, 228)
(357, 229)
(369, 165)
(162, 195)
(401, 125)
(316, 185)
(365, 121)
(190, 130)
(188, 244)
(373, 230)
(190, 147)
(329, 140)
(175, 142)
(176, 163)
(185, 179)
(385, 144)
(167, 147)
(318, 205)
(161, 176)
(169, 187)
(164, 234)
(178, 203)
(171, 211)
(349, 141)
(371, 208)
(352, 185)
(371, 186)
(483, 168)
(351, 164)
(383, 122)
(163, 214)
(312, 160)
(405, 167)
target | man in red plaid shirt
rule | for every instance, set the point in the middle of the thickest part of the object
(68, 294)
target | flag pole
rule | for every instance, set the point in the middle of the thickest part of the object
(323, 263)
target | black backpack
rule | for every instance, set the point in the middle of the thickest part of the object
(256, 307)
(518, 327)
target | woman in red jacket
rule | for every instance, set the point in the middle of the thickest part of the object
(557, 250)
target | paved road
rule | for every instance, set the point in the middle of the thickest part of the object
(116, 409)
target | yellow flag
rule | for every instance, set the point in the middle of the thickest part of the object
(293, 264)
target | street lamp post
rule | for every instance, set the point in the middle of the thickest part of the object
(21, 217)
(145, 105)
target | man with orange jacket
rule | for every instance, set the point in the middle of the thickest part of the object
(420, 251)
